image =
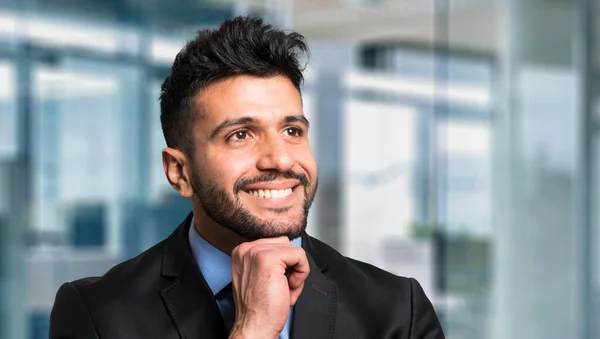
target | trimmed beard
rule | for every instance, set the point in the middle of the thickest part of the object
(227, 210)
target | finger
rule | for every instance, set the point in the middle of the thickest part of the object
(297, 267)
(293, 257)
(272, 241)
(243, 248)
(296, 278)
(288, 258)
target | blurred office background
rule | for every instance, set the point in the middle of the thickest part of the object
(457, 142)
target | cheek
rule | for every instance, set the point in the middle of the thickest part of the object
(307, 161)
(228, 168)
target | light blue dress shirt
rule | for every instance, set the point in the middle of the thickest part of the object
(216, 268)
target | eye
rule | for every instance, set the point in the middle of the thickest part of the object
(293, 131)
(239, 135)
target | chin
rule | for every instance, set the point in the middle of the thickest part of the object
(290, 228)
(287, 213)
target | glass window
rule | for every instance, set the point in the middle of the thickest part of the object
(8, 117)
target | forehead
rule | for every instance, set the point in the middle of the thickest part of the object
(262, 98)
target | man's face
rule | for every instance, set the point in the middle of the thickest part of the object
(253, 170)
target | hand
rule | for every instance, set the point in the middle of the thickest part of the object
(268, 277)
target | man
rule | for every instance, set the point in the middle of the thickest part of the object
(241, 265)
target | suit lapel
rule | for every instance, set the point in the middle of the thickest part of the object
(314, 312)
(188, 298)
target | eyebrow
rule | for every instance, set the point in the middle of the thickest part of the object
(297, 118)
(231, 122)
(249, 120)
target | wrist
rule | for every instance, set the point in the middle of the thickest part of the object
(239, 331)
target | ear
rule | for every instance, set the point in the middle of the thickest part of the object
(176, 164)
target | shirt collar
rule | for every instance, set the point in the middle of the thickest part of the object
(214, 264)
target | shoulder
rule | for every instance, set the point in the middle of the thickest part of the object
(357, 274)
(131, 279)
(374, 303)
(105, 304)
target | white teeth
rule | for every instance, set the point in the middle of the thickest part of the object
(272, 194)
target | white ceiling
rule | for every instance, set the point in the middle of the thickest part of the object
(471, 24)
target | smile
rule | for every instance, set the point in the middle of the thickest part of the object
(270, 194)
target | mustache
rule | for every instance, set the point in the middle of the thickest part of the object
(270, 176)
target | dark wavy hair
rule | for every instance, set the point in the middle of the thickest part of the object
(240, 46)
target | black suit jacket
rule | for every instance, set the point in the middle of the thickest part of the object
(162, 294)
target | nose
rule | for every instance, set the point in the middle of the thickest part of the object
(275, 154)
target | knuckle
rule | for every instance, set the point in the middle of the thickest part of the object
(253, 251)
(262, 258)
(299, 251)
(239, 252)
(242, 248)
